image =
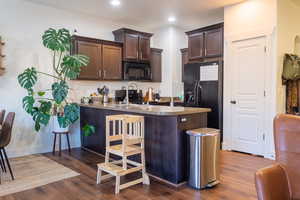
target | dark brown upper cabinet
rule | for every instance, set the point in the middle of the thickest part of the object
(144, 48)
(196, 46)
(155, 62)
(105, 58)
(184, 60)
(111, 62)
(205, 42)
(136, 44)
(93, 51)
(214, 43)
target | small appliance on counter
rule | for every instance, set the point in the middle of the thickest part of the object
(134, 96)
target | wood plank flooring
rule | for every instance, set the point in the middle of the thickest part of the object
(237, 182)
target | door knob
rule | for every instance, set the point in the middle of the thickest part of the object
(233, 102)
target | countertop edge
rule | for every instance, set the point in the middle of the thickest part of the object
(191, 110)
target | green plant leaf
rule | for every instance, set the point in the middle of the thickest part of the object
(28, 102)
(63, 121)
(40, 117)
(28, 78)
(88, 130)
(45, 106)
(71, 65)
(41, 93)
(57, 40)
(59, 91)
(71, 112)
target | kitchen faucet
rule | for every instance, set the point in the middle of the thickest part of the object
(130, 84)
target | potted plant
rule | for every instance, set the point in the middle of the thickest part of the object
(52, 101)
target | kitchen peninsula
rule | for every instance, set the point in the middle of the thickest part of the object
(165, 138)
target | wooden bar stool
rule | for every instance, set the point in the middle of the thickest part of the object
(59, 140)
(129, 129)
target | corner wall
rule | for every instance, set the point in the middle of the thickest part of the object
(288, 28)
(250, 19)
(22, 24)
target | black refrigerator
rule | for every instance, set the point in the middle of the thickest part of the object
(203, 87)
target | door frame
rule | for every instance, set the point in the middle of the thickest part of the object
(270, 88)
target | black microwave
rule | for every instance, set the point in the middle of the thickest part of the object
(136, 71)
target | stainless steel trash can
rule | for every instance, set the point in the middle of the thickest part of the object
(204, 149)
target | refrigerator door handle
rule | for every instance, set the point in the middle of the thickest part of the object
(199, 94)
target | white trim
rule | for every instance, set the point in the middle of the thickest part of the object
(270, 87)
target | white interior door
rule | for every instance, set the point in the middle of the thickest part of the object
(248, 94)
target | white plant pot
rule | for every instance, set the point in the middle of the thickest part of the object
(57, 128)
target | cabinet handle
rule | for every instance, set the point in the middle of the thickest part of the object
(137, 55)
(104, 73)
(141, 55)
(99, 73)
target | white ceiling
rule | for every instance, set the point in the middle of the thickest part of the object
(149, 13)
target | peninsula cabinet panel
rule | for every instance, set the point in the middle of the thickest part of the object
(93, 51)
(155, 62)
(214, 43)
(144, 48)
(131, 47)
(112, 62)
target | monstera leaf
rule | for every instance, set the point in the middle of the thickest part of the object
(40, 117)
(72, 64)
(57, 40)
(45, 106)
(71, 115)
(28, 102)
(71, 112)
(88, 130)
(60, 91)
(28, 78)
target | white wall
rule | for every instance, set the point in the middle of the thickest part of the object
(250, 19)
(171, 39)
(21, 27)
(288, 29)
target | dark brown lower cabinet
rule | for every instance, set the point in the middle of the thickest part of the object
(165, 140)
(156, 64)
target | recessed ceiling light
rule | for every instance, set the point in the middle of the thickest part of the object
(115, 2)
(171, 19)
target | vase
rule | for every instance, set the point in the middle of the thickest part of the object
(56, 126)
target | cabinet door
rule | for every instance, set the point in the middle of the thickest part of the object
(196, 46)
(184, 60)
(144, 48)
(131, 47)
(214, 43)
(112, 62)
(156, 65)
(93, 51)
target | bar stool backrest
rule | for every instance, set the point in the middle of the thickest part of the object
(5, 135)
(2, 114)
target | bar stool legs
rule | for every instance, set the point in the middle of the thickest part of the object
(59, 141)
(2, 150)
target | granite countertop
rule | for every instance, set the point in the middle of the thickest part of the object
(148, 109)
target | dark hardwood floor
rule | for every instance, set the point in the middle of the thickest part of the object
(237, 182)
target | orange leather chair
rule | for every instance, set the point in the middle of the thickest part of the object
(272, 183)
(287, 174)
